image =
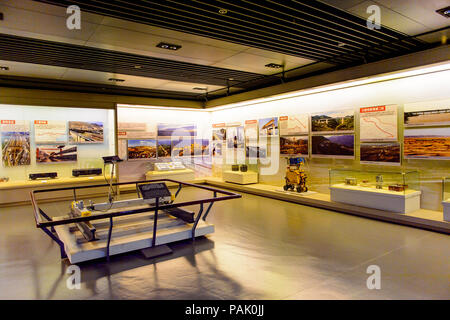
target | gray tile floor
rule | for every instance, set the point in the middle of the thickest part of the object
(262, 249)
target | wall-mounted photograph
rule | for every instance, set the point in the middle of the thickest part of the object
(433, 117)
(427, 143)
(268, 127)
(219, 134)
(336, 146)
(333, 121)
(216, 150)
(255, 152)
(201, 147)
(16, 148)
(85, 132)
(182, 147)
(56, 153)
(294, 145)
(294, 125)
(141, 149)
(380, 153)
(235, 137)
(164, 148)
(176, 130)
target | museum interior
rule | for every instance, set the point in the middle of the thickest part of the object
(261, 150)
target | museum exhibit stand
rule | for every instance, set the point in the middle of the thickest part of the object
(171, 170)
(240, 173)
(390, 191)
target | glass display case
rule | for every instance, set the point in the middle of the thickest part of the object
(376, 181)
(446, 189)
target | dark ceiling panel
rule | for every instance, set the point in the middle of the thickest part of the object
(308, 29)
(30, 50)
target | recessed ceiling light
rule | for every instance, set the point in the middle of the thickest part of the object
(200, 88)
(168, 46)
(116, 80)
(230, 79)
(4, 68)
(340, 44)
(274, 65)
(223, 11)
(444, 11)
(138, 67)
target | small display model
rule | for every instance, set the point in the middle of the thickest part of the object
(350, 181)
(51, 175)
(364, 183)
(235, 167)
(398, 187)
(295, 175)
(4, 179)
(379, 180)
(243, 168)
(163, 166)
(87, 172)
(176, 165)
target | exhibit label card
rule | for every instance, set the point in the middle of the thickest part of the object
(50, 131)
(294, 125)
(15, 126)
(378, 123)
(136, 130)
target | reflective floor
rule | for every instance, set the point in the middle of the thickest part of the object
(262, 249)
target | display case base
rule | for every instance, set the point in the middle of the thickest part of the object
(399, 202)
(239, 177)
(185, 175)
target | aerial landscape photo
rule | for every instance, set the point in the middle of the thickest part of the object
(176, 130)
(164, 148)
(380, 152)
(141, 149)
(338, 146)
(333, 121)
(16, 149)
(294, 145)
(85, 132)
(429, 143)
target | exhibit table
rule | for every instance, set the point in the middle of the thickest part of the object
(383, 199)
(18, 192)
(446, 206)
(240, 177)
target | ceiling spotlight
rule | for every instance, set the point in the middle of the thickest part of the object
(168, 46)
(274, 65)
(4, 68)
(116, 80)
(223, 11)
(138, 67)
(341, 44)
(444, 11)
(200, 88)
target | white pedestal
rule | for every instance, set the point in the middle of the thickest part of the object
(185, 175)
(399, 202)
(446, 205)
(239, 177)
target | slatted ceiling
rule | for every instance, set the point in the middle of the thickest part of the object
(32, 50)
(308, 29)
(77, 86)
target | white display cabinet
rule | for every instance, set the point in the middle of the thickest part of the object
(243, 175)
(384, 190)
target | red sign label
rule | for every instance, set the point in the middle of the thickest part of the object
(40, 122)
(121, 133)
(372, 109)
(284, 118)
(218, 125)
(8, 121)
(250, 121)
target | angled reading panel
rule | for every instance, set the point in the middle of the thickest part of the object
(154, 190)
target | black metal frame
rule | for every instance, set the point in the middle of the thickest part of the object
(40, 215)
